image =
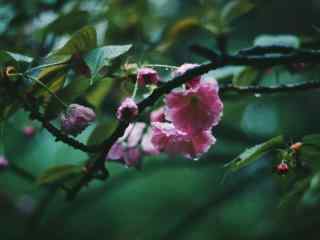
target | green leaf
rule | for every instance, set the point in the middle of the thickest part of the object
(313, 139)
(99, 57)
(252, 154)
(279, 40)
(59, 174)
(96, 95)
(235, 9)
(295, 194)
(82, 41)
(68, 94)
(246, 77)
(102, 131)
(67, 22)
(6, 56)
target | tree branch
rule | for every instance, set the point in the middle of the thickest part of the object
(256, 57)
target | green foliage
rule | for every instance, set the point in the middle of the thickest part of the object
(235, 9)
(280, 40)
(97, 58)
(254, 153)
(82, 41)
(59, 174)
(248, 76)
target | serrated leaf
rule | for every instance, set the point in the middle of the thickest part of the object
(99, 57)
(102, 132)
(82, 41)
(235, 9)
(254, 153)
(246, 77)
(68, 94)
(277, 40)
(59, 174)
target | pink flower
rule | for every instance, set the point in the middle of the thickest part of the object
(132, 157)
(147, 76)
(76, 119)
(183, 69)
(165, 137)
(116, 152)
(3, 162)
(127, 110)
(135, 132)
(147, 145)
(196, 109)
(158, 115)
(29, 131)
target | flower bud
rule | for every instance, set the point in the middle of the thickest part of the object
(76, 119)
(296, 146)
(29, 131)
(282, 168)
(3, 162)
(147, 76)
(127, 110)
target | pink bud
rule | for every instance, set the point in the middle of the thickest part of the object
(127, 110)
(3, 162)
(147, 76)
(76, 119)
(29, 131)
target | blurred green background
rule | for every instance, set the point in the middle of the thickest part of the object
(171, 198)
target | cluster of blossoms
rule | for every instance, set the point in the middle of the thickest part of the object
(183, 126)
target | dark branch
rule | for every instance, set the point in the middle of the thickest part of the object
(256, 57)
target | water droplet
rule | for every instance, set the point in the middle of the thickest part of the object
(196, 159)
(257, 95)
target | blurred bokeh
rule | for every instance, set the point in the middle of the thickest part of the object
(170, 198)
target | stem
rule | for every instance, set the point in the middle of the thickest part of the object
(46, 66)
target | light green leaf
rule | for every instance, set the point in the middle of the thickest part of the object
(277, 40)
(82, 41)
(252, 154)
(59, 174)
(6, 56)
(224, 73)
(99, 57)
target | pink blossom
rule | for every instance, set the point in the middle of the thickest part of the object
(3, 162)
(135, 133)
(29, 131)
(196, 109)
(183, 69)
(165, 137)
(147, 76)
(76, 119)
(157, 115)
(116, 152)
(147, 145)
(132, 156)
(127, 110)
